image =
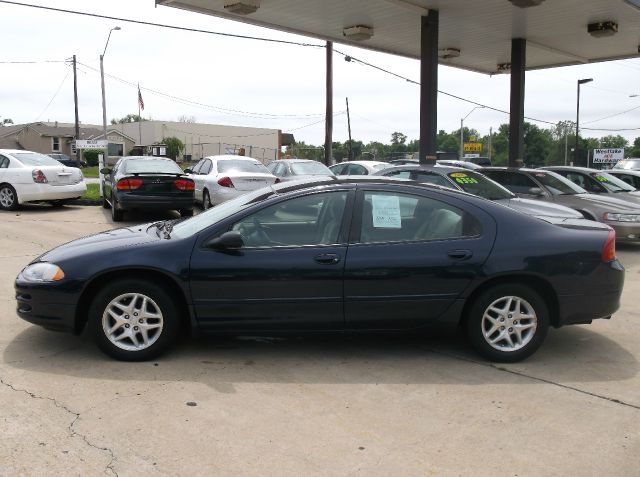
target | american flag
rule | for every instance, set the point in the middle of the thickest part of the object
(140, 102)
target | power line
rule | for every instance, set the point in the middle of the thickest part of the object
(161, 25)
(31, 62)
(611, 116)
(54, 95)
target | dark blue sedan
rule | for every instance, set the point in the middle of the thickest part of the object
(354, 255)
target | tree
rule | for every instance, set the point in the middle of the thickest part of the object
(537, 145)
(613, 142)
(186, 119)
(635, 150)
(174, 146)
(129, 118)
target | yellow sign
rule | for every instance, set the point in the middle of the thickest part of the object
(458, 174)
(472, 147)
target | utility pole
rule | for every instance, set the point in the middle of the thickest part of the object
(349, 127)
(490, 135)
(328, 153)
(566, 137)
(75, 100)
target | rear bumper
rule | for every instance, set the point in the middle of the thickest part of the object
(224, 194)
(37, 192)
(128, 201)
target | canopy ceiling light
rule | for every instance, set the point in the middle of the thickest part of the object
(244, 7)
(602, 29)
(358, 32)
(448, 53)
(526, 3)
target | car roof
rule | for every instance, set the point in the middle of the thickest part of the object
(570, 168)
(633, 172)
(148, 158)
(441, 168)
(227, 157)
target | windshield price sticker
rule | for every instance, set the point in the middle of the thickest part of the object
(602, 178)
(457, 174)
(466, 180)
(386, 211)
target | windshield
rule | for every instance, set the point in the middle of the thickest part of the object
(136, 166)
(628, 164)
(35, 159)
(238, 165)
(558, 185)
(311, 168)
(215, 214)
(611, 183)
(479, 185)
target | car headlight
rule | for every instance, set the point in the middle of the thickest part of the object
(621, 217)
(43, 272)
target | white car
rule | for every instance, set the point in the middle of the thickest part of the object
(358, 168)
(27, 176)
(220, 178)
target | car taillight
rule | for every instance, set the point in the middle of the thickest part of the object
(38, 176)
(609, 249)
(184, 184)
(225, 182)
(129, 184)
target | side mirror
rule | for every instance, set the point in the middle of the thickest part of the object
(105, 171)
(228, 240)
(535, 191)
(188, 171)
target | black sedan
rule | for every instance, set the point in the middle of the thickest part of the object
(346, 255)
(141, 182)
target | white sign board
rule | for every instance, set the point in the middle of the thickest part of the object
(91, 143)
(607, 156)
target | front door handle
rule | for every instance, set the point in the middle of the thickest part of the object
(460, 254)
(327, 258)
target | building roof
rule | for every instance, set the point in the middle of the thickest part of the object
(480, 30)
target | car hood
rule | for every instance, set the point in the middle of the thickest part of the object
(104, 241)
(606, 201)
(539, 208)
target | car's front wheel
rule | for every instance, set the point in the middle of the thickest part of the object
(507, 322)
(8, 197)
(134, 320)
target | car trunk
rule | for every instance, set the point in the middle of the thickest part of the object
(157, 185)
(247, 181)
(61, 175)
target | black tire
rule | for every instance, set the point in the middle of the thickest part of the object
(116, 214)
(8, 197)
(206, 200)
(493, 302)
(186, 213)
(105, 202)
(59, 203)
(161, 333)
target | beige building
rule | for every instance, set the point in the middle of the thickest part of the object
(48, 138)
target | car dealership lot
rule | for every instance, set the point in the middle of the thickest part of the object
(310, 406)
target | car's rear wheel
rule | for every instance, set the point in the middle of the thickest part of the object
(8, 197)
(116, 214)
(134, 320)
(206, 200)
(507, 322)
(186, 213)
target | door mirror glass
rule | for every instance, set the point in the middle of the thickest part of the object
(105, 171)
(188, 171)
(226, 241)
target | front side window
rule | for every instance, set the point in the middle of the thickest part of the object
(431, 178)
(393, 217)
(309, 220)
(206, 167)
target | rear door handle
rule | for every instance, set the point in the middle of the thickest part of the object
(460, 254)
(327, 258)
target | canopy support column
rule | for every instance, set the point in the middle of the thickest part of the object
(429, 87)
(516, 117)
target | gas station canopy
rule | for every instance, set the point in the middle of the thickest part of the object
(473, 34)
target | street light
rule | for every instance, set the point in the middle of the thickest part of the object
(462, 128)
(575, 151)
(104, 108)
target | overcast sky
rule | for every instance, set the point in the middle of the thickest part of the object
(254, 83)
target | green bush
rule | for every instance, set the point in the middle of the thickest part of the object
(91, 156)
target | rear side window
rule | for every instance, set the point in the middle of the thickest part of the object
(430, 178)
(392, 217)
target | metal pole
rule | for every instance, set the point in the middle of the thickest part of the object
(349, 128)
(429, 27)
(328, 139)
(75, 101)
(516, 109)
(566, 136)
(104, 122)
(461, 136)
(490, 137)
(575, 151)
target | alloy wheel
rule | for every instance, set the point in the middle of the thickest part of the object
(509, 323)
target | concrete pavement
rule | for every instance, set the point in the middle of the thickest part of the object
(310, 406)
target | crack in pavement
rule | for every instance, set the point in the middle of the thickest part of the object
(535, 378)
(74, 433)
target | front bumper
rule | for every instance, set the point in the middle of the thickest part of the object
(626, 231)
(50, 305)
